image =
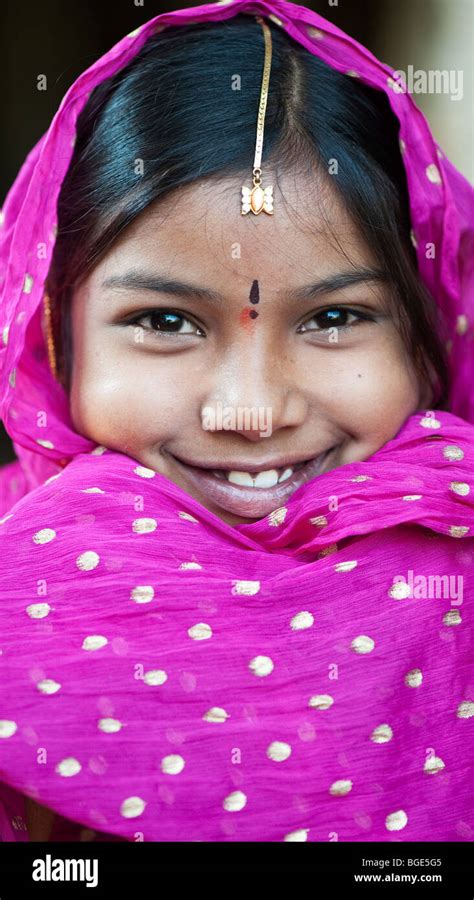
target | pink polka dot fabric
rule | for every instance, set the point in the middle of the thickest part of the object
(166, 676)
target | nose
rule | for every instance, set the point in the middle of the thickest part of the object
(253, 391)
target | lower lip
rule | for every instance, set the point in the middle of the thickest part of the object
(250, 502)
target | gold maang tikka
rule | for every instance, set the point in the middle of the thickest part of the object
(254, 199)
(50, 336)
(258, 198)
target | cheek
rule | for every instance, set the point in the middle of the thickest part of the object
(123, 400)
(374, 390)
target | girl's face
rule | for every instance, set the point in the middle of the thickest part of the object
(206, 340)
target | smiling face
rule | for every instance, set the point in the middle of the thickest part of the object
(187, 381)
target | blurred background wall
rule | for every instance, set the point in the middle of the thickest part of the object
(61, 38)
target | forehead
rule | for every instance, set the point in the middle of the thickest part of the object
(200, 228)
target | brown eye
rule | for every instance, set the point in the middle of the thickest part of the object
(166, 322)
(336, 317)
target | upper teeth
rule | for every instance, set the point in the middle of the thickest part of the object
(266, 479)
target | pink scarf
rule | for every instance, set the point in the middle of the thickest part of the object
(167, 676)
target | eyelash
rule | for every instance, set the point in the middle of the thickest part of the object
(359, 316)
(143, 314)
(159, 312)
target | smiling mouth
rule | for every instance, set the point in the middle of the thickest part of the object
(246, 476)
(252, 494)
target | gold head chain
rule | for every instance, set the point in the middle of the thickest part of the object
(258, 198)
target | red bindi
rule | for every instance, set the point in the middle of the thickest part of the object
(247, 316)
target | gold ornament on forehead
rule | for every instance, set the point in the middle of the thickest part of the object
(257, 198)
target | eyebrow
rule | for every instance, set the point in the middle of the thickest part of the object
(145, 281)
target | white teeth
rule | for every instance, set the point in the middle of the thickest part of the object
(242, 478)
(266, 479)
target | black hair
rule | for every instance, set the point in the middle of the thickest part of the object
(173, 107)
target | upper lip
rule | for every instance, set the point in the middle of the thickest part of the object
(242, 466)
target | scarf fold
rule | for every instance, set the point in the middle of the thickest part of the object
(166, 676)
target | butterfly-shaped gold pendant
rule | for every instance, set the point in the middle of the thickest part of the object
(257, 199)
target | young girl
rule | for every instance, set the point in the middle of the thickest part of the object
(237, 540)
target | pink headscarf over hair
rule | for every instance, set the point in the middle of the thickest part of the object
(145, 652)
